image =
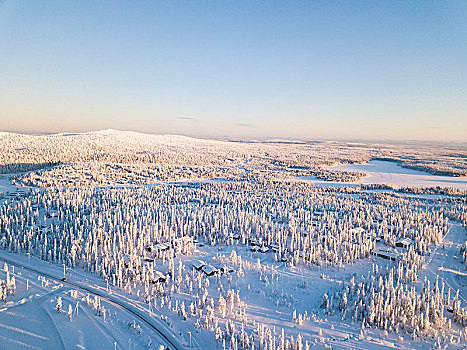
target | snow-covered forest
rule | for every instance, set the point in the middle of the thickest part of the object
(110, 156)
(222, 240)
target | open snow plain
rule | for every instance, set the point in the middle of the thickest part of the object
(386, 172)
(179, 243)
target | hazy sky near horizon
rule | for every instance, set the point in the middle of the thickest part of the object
(291, 69)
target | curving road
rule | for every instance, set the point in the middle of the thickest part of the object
(171, 340)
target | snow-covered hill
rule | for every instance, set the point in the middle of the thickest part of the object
(150, 158)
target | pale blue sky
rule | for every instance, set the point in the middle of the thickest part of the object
(294, 69)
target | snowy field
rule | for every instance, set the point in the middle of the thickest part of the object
(5, 184)
(384, 172)
(226, 249)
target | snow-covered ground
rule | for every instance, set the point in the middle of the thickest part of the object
(271, 291)
(385, 172)
(294, 265)
(29, 319)
(446, 263)
(5, 184)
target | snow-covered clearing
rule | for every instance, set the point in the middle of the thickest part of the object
(5, 184)
(446, 263)
(385, 172)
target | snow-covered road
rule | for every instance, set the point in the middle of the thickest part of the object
(164, 333)
(446, 263)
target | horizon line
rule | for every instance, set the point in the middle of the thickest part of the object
(227, 138)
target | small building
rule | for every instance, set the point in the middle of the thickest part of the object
(209, 270)
(254, 242)
(235, 236)
(198, 264)
(404, 243)
(226, 269)
(160, 247)
(159, 277)
(393, 256)
(274, 248)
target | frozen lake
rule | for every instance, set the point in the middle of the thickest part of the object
(385, 172)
